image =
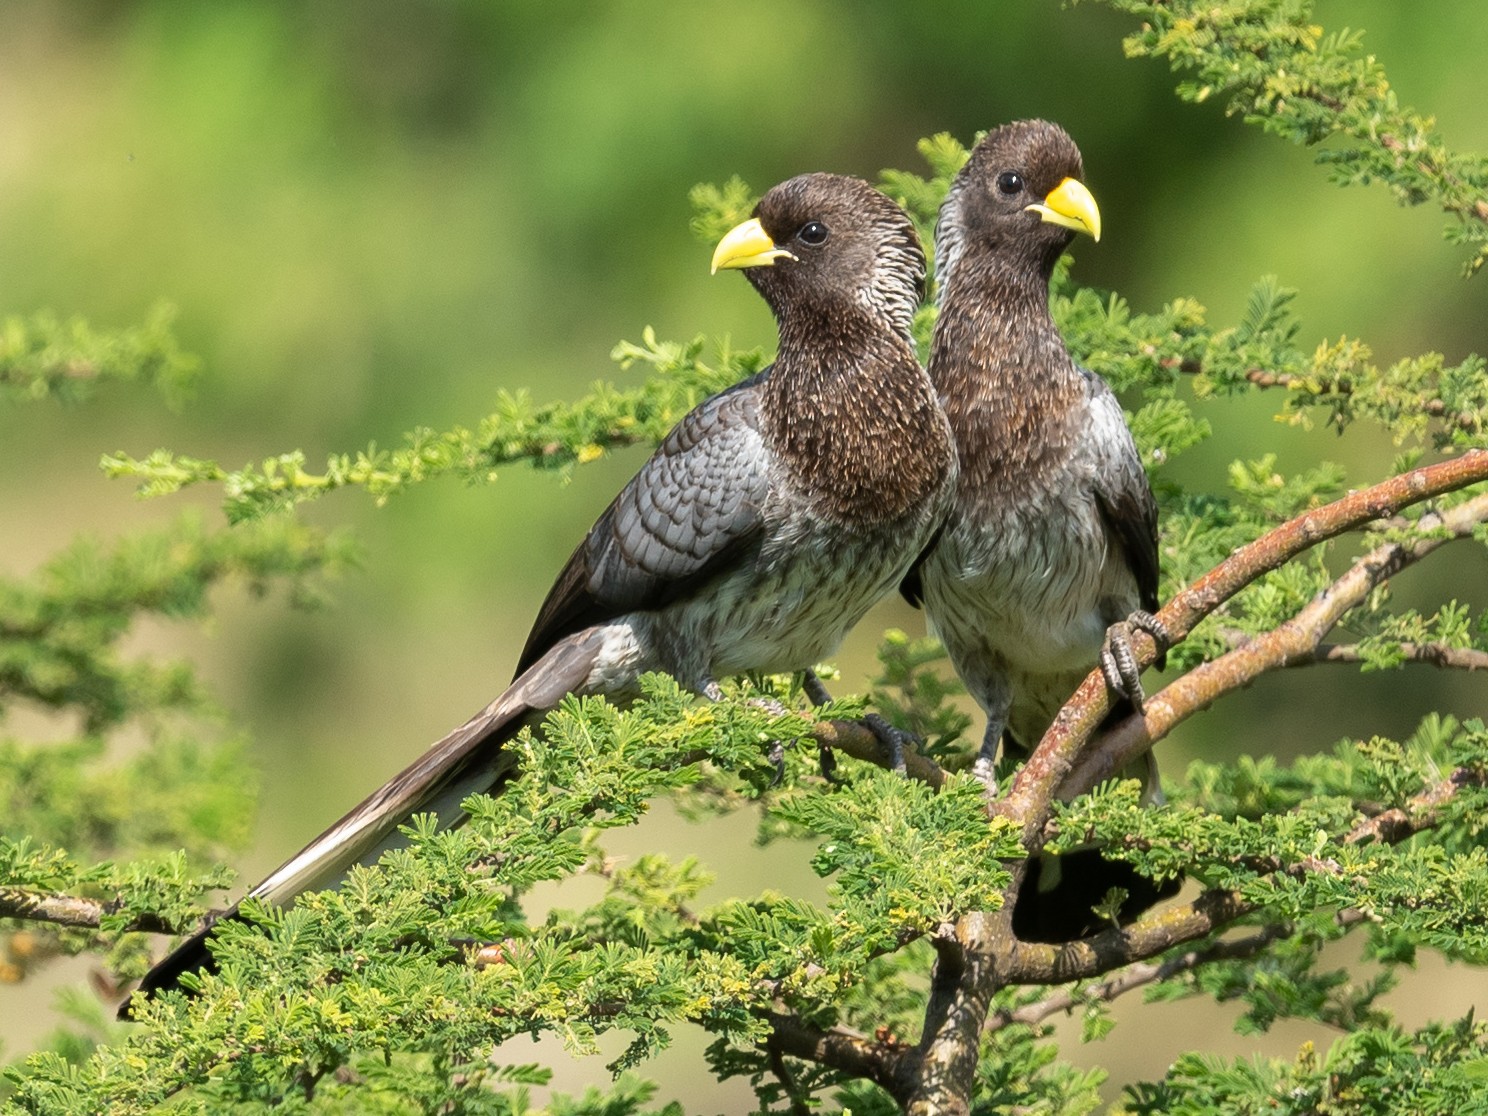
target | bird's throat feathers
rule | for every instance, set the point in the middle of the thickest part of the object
(1007, 382)
(855, 420)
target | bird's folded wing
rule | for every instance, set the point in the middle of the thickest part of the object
(681, 521)
(1126, 501)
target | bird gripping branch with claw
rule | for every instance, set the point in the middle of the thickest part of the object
(1050, 555)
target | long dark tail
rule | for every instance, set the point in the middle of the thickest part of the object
(467, 761)
(1058, 892)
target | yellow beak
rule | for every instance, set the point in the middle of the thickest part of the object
(747, 245)
(1070, 204)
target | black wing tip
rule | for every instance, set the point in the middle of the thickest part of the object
(912, 589)
(191, 956)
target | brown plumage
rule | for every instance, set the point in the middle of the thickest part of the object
(1051, 547)
(767, 523)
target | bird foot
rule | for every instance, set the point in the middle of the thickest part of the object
(894, 739)
(1118, 662)
(776, 754)
(828, 761)
(984, 770)
(814, 689)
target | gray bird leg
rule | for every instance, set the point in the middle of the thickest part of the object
(893, 738)
(985, 767)
(1118, 662)
(991, 690)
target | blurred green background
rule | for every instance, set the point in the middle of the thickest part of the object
(374, 216)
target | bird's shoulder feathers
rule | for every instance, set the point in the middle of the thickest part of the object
(694, 505)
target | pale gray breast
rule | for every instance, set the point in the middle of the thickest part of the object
(1041, 553)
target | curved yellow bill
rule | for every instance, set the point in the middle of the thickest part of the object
(747, 245)
(1070, 204)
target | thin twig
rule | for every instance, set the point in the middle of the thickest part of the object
(1431, 654)
(74, 912)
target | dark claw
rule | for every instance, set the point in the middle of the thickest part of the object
(1119, 665)
(815, 691)
(1154, 627)
(1118, 662)
(828, 760)
(893, 739)
(776, 754)
(776, 757)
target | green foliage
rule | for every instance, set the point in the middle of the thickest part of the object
(390, 993)
(717, 209)
(373, 968)
(1275, 67)
(1437, 1070)
(43, 358)
(921, 197)
(60, 629)
(106, 821)
(551, 435)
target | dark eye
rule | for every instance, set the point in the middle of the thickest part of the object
(813, 233)
(1010, 182)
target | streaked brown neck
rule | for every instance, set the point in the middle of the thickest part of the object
(851, 412)
(1006, 381)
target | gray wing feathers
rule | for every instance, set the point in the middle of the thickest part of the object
(1126, 500)
(694, 504)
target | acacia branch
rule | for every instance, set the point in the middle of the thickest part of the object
(74, 912)
(1432, 654)
(856, 739)
(1213, 910)
(988, 955)
(1421, 812)
(1044, 775)
(1143, 973)
(1136, 976)
(1295, 640)
(886, 1064)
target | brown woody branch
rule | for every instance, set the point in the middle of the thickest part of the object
(887, 1064)
(856, 739)
(1045, 774)
(1298, 639)
(1143, 973)
(1432, 654)
(1214, 909)
(1136, 976)
(985, 954)
(73, 912)
(1421, 812)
